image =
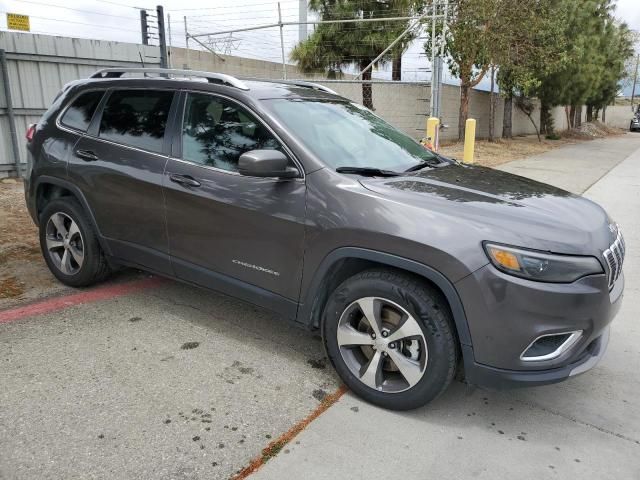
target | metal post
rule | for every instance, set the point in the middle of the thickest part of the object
(440, 60)
(469, 140)
(170, 40)
(162, 37)
(432, 133)
(434, 84)
(635, 78)
(302, 17)
(186, 39)
(284, 65)
(144, 27)
(10, 114)
(437, 86)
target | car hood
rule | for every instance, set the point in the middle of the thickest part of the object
(508, 208)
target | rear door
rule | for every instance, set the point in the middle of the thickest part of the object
(237, 234)
(72, 125)
(119, 166)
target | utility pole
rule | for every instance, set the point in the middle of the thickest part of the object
(284, 64)
(170, 39)
(186, 40)
(635, 78)
(162, 37)
(440, 60)
(144, 27)
(302, 18)
(434, 80)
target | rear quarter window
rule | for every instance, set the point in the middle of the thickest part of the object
(79, 114)
(136, 118)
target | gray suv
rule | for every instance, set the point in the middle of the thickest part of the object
(412, 266)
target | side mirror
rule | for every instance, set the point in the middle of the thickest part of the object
(266, 163)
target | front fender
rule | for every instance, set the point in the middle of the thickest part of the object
(307, 306)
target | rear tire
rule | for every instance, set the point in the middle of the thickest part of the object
(408, 355)
(69, 244)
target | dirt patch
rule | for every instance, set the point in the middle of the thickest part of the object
(11, 287)
(596, 129)
(23, 274)
(492, 154)
(18, 234)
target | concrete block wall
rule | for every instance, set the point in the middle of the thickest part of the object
(618, 116)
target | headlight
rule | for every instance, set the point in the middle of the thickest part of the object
(541, 266)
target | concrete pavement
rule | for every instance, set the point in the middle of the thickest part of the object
(576, 167)
(587, 427)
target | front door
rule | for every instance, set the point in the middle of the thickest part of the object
(240, 235)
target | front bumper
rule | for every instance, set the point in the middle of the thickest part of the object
(478, 374)
(505, 314)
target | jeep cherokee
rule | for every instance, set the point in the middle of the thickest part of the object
(284, 194)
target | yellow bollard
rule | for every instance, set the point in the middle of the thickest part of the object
(469, 140)
(432, 133)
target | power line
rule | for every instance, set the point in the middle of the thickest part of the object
(228, 7)
(120, 4)
(80, 23)
(73, 9)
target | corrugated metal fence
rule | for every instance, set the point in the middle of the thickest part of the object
(38, 66)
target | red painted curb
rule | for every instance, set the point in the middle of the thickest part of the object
(94, 295)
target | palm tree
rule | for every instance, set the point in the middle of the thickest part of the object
(335, 46)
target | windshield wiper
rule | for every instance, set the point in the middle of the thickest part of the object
(374, 172)
(426, 163)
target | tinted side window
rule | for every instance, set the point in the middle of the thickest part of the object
(79, 114)
(137, 118)
(216, 132)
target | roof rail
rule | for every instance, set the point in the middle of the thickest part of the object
(297, 83)
(220, 78)
(315, 86)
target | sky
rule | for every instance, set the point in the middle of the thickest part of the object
(120, 20)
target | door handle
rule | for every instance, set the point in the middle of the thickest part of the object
(185, 180)
(87, 155)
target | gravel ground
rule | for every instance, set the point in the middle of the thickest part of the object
(23, 273)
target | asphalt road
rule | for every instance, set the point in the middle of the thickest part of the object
(167, 381)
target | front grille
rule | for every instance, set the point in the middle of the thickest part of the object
(614, 257)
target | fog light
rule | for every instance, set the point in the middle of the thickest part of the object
(548, 347)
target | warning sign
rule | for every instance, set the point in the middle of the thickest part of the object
(18, 22)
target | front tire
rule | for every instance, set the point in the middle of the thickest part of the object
(69, 244)
(390, 337)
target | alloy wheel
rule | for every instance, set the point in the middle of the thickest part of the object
(382, 344)
(64, 243)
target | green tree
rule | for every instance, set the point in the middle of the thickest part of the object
(592, 63)
(615, 47)
(471, 30)
(335, 46)
(531, 45)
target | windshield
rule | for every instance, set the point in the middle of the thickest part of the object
(345, 134)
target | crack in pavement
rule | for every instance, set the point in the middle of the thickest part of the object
(579, 422)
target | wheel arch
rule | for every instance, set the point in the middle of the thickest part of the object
(48, 188)
(344, 262)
